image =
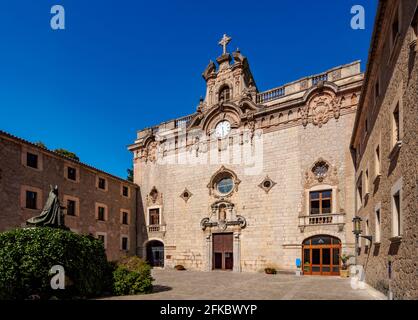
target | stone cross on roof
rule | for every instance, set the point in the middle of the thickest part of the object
(224, 42)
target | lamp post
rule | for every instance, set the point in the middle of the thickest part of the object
(357, 232)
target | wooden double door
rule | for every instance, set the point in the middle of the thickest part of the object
(321, 256)
(223, 253)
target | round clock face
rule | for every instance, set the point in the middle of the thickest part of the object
(222, 129)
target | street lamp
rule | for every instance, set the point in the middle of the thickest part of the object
(357, 232)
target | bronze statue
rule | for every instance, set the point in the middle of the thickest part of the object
(52, 214)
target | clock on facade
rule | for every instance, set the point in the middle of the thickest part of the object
(222, 129)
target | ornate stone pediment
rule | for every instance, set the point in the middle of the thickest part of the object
(321, 172)
(154, 197)
(322, 105)
(223, 214)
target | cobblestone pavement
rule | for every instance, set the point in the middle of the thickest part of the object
(223, 285)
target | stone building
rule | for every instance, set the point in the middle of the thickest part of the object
(96, 202)
(252, 179)
(384, 143)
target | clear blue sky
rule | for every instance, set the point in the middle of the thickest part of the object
(120, 66)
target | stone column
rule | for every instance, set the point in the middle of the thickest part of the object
(208, 252)
(237, 252)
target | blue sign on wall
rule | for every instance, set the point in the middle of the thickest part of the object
(298, 263)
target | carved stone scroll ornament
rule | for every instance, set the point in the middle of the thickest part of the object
(321, 172)
(152, 151)
(154, 197)
(323, 107)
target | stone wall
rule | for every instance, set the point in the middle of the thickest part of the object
(16, 177)
(398, 74)
(272, 236)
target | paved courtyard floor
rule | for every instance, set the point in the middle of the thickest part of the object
(223, 285)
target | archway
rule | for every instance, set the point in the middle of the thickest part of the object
(321, 255)
(155, 253)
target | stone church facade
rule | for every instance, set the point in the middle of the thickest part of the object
(252, 179)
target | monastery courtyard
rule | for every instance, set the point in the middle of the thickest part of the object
(224, 285)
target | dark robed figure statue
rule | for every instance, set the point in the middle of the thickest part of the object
(52, 215)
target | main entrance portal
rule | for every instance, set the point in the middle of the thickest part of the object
(223, 251)
(321, 255)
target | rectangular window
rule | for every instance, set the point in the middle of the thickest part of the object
(101, 214)
(31, 200)
(320, 202)
(396, 214)
(125, 243)
(102, 183)
(71, 207)
(367, 227)
(154, 217)
(377, 225)
(395, 27)
(72, 173)
(359, 193)
(366, 182)
(395, 125)
(32, 160)
(125, 191)
(125, 217)
(377, 160)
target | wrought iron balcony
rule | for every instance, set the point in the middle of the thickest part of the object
(322, 219)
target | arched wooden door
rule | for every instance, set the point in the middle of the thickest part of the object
(321, 255)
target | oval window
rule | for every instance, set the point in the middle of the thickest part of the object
(225, 185)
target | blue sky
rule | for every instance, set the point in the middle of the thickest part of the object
(120, 66)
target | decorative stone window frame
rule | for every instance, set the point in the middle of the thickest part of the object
(321, 187)
(220, 87)
(39, 199)
(129, 191)
(128, 244)
(77, 205)
(393, 43)
(267, 188)
(24, 155)
(186, 195)
(160, 213)
(397, 103)
(98, 177)
(221, 173)
(104, 234)
(396, 224)
(128, 211)
(96, 210)
(77, 174)
(312, 182)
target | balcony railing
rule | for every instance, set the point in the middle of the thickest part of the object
(321, 219)
(183, 122)
(319, 78)
(156, 228)
(271, 95)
